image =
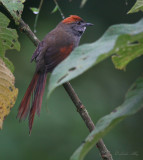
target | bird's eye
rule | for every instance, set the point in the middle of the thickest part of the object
(79, 23)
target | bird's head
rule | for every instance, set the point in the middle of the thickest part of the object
(75, 24)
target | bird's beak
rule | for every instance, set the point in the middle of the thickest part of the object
(89, 24)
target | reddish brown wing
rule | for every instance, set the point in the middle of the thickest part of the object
(53, 58)
(54, 48)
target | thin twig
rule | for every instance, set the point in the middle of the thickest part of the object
(105, 154)
(62, 15)
(26, 29)
(36, 19)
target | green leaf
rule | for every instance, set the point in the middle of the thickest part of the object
(83, 3)
(87, 55)
(137, 7)
(8, 40)
(132, 104)
(35, 10)
(55, 9)
(15, 8)
(130, 48)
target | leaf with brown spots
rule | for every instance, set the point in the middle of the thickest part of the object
(8, 92)
(15, 8)
(8, 40)
(130, 49)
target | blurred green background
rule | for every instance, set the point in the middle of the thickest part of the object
(60, 130)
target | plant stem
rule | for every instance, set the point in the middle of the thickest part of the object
(105, 154)
(62, 15)
(36, 19)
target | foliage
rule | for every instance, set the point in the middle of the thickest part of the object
(137, 7)
(130, 48)
(8, 93)
(132, 104)
(55, 9)
(15, 8)
(35, 10)
(8, 39)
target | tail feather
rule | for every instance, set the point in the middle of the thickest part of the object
(41, 93)
(36, 88)
(24, 107)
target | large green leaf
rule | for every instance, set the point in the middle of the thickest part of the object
(116, 39)
(137, 7)
(15, 8)
(8, 39)
(133, 103)
(130, 48)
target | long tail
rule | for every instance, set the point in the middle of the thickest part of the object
(33, 94)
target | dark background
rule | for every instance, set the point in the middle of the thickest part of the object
(60, 130)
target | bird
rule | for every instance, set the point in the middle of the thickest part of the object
(53, 49)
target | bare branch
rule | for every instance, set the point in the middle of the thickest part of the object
(26, 29)
(105, 154)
